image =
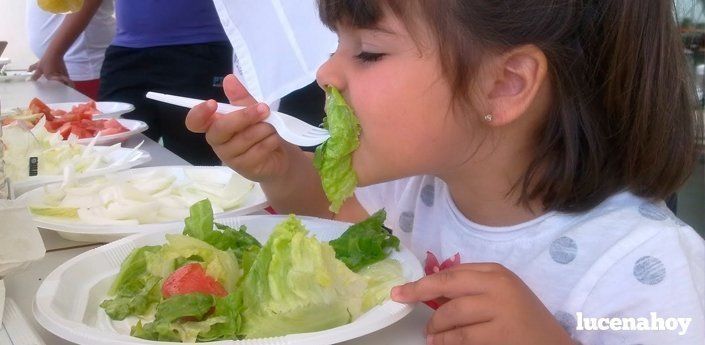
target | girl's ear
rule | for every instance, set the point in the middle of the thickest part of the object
(520, 74)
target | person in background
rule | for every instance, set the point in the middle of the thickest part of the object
(527, 144)
(71, 47)
(169, 46)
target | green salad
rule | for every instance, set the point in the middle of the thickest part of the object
(333, 158)
(214, 282)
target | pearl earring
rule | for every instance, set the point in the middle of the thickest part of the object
(488, 118)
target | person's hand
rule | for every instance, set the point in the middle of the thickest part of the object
(240, 139)
(486, 304)
(52, 68)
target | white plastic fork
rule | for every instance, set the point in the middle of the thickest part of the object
(289, 128)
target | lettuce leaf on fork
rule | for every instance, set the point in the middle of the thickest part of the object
(333, 158)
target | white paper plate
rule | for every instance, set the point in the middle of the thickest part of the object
(133, 127)
(80, 231)
(107, 109)
(122, 158)
(67, 302)
(11, 76)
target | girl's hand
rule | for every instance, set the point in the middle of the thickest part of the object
(240, 139)
(487, 304)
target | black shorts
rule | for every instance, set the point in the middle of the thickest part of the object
(194, 70)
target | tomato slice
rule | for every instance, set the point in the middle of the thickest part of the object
(191, 278)
(65, 130)
(37, 106)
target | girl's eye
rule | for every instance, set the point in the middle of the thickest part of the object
(369, 57)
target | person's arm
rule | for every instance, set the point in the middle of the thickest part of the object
(302, 193)
(51, 64)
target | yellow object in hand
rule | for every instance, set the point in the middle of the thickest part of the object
(60, 6)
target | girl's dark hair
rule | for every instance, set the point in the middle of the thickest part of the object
(623, 113)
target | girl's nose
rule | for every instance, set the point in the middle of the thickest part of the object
(330, 74)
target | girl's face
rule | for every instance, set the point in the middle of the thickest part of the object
(395, 86)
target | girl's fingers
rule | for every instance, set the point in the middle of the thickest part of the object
(246, 139)
(475, 334)
(236, 92)
(225, 127)
(461, 311)
(450, 283)
(257, 154)
(200, 117)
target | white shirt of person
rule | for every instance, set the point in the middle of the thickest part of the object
(85, 57)
(626, 258)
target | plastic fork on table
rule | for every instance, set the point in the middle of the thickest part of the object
(289, 128)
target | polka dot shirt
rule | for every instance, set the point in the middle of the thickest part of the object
(627, 258)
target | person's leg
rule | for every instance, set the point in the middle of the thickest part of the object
(125, 77)
(190, 70)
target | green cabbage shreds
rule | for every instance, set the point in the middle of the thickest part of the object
(333, 159)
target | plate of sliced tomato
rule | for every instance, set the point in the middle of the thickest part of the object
(81, 121)
(98, 110)
(111, 130)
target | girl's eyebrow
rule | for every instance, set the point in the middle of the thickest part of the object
(381, 29)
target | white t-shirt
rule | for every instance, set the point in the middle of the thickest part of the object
(626, 258)
(85, 57)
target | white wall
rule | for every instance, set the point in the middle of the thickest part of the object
(14, 31)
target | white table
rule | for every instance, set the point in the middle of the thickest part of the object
(22, 286)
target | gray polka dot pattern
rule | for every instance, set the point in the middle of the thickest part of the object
(563, 250)
(406, 221)
(653, 211)
(649, 270)
(567, 321)
(428, 193)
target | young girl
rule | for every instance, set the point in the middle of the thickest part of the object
(534, 138)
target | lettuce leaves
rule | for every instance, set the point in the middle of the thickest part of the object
(333, 158)
(188, 318)
(200, 225)
(365, 243)
(135, 290)
(296, 285)
(293, 284)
